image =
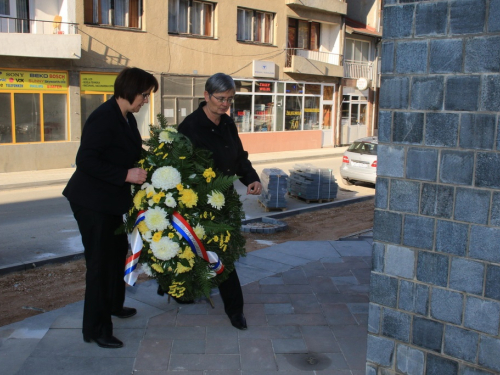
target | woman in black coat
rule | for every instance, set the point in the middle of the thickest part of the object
(209, 127)
(99, 194)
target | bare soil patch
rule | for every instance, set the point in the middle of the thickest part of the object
(29, 293)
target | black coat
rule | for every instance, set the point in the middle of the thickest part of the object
(224, 142)
(109, 148)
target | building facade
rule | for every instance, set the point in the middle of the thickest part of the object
(60, 58)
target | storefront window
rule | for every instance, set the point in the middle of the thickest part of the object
(5, 119)
(27, 112)
(242, 112)
(313, 89)
(243, 86)
(311, 113)
(327, 117)
(328, 93)
(54, 117)
(293, 112)
(89, 103)
(294, 88)
(264, 87)
(263, 115)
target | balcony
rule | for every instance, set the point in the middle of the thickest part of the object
(38, 38)
(329, 6)
(303, 61)
(357, 69)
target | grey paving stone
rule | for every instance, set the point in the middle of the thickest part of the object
(345, 280)
(202, 320)
(474, 10)
(153, 355)
(14, 352)
(413, 297)
(352, 248)
(305, 304)
(222, 346)
(427, 334)
(437, 200)
(294, 276)
(451, 237)
(278, 308)
(409, 360)
(272, 332)
(296, 319)
(258, 262)
(387, 226)
(482, 315)
(320, 339)
(408, 128)
(488, 353)
(283, 346)
(272, 280)
(181, 346)
(145, 292)
(310, 250)
(391, 162)
(467, 276)
(354, 350)
(193, 309)
(432, 268)
(383, 290)
(267, 298)
(160, 333)
(322, 361)
(288, 289)
(461, 343)
(84, 365)
(279, 257)
(248, 274)
(257, 354)
(446, 305)
(181, 362)
(380, 350)
(418, 232)
(400, 261)
(322, 284)
(396, 325)
(338, 314)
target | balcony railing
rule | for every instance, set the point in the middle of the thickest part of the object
(356, 69)
(29, 26)
(326, 57)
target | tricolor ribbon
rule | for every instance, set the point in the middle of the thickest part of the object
(136, 244)
(183, 227)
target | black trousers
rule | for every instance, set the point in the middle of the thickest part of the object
(105, 255)
(232, 295)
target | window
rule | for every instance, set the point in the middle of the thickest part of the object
(190, 17)
(122, 13)
(357, 50)
(255, 26)
(303, 34)
(4, 7)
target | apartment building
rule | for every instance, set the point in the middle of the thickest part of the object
(59, 59)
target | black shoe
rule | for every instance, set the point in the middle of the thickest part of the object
(109, 342)
(125, 312)
(160, 291)
(239, 321)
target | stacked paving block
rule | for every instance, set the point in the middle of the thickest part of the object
(274, 188)
(312, 184)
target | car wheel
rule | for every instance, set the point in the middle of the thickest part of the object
(348, 182)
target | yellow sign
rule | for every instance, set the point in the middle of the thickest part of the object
(293, 113)
(311, 110)
(33, 80)
(97, 82)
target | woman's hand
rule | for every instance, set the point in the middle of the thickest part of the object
(255, 188)
(136, 176)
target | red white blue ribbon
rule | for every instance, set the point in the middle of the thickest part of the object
(136, 244)
(183, 227)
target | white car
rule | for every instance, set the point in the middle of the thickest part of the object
(359, 162)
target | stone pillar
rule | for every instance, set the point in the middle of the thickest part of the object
(435, 283)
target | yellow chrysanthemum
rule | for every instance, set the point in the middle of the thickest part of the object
(164, 136)
(158, 197)
(188, 197)
(142, 226)
(187, 254)
(182, 157)
(138, 199)
(180, 187)
(209, 174)
(216, 199)
(171, 235)
(181, 268)
(157, 236)
(157, 268)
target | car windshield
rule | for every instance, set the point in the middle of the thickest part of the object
(363, 148)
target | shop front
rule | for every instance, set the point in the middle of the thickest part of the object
(270, 115)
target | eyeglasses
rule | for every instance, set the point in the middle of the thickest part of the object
(145, 95)
(224, 100)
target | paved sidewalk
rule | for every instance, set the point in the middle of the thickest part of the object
(306, 305)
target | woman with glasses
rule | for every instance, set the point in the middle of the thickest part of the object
(99, 195)
(210, 127)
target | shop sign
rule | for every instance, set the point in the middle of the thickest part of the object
(264, 87)
(264, 69)
(293, 113)
(97, 82)
(33, 80)
(316, 110)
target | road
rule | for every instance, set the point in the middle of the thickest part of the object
(37, 223)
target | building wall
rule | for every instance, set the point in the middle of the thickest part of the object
(434, 299)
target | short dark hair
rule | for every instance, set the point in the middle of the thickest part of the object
(133, 81)
(219, 82)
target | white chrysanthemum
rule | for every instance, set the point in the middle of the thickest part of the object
(148, 187)
(166, 178)
(216, 199)
(132, 189)
(156, 219)
(151, 203)
(147, 236)
(165, 248)
(165, 137)
(170, 200)
(146, 269)
(199, 231)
